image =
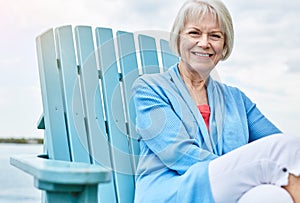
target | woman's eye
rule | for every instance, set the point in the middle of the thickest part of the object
(193, 33)
(215, 36)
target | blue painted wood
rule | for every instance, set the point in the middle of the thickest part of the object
(89, 117)
(148, 53)
(55, 133)
(61, 172)
(96, 129)
(41, 122)
(89, 194)
(130, 72)
(168, 57)
(63, 181)
(92, 100)
(72, 96)
(113, 105)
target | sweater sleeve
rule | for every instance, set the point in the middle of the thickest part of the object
(259, 126)
(162, 130)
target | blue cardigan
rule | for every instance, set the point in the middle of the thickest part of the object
(175, 143)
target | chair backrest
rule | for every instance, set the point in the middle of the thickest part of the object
(86, 80)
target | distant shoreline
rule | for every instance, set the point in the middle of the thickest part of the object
(22, 140)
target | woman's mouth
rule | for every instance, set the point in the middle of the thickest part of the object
(201, 54)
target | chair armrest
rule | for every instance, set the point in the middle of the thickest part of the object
(61, 172)
(63, 181)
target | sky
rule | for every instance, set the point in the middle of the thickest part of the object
(264, 63)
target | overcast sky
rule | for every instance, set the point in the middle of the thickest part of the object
(264, 63)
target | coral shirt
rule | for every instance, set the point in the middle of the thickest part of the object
(205, 112)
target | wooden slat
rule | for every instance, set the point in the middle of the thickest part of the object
(91, 95)
(95, 124)
(115, 116)
(72, 96)
(148, 54)
(130, 72)
(168, 57)
(55, 133)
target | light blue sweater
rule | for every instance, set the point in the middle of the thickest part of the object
(175, 143)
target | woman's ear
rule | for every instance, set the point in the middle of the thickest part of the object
(224, 52)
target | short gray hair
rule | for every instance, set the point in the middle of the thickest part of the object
(196, 9)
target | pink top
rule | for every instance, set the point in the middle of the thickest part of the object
(205, 112)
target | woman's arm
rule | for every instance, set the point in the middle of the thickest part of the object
(259, 125)
(162, 130)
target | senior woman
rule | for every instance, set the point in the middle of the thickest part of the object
(201, 140)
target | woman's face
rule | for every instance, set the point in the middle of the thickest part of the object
(201, 45)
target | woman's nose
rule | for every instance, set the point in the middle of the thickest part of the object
(203, 41)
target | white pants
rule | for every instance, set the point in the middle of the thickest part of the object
(269, 160)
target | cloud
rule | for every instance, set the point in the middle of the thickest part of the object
(265, 58)
(294, 65)
(264, 62)
(134, 15)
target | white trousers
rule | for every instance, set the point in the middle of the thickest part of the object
(269, 160)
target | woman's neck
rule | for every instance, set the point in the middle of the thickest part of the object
(195, 84)
(191, 78)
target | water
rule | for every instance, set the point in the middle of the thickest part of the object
(16, 185)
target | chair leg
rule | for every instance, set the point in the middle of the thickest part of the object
(53, 193)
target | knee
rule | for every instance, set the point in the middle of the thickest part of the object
(286, 138)
(288, 143)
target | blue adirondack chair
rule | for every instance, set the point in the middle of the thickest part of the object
(88, 112)
(91, 149)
